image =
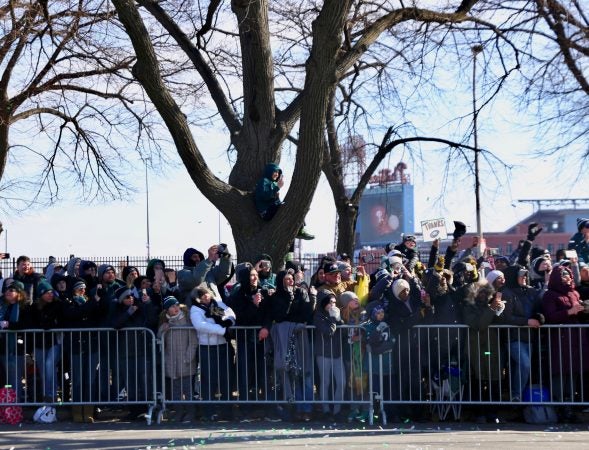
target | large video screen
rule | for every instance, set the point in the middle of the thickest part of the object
(380, 218)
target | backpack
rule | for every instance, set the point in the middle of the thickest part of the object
(45, 414)
(9, 414)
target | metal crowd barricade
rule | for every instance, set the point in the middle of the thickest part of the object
(80, 366)
(448, 366)
(281, 372)
(442, 367)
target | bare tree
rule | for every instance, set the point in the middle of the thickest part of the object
(277, 85)
(557, 78)
(65, 88)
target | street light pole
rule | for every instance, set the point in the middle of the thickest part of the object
(476, 49)
(219, 218)
(147, 208)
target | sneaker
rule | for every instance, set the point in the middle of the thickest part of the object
(363, 417)
(304, 234)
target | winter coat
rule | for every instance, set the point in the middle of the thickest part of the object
(485, 347)
(134, 343)
(338, 289)
(247, 314)
(403, 315)
(12, 313)
(266, 192)
(180, 345)
(205, 320)
(567, 345)
(31, 282)
(204, 272)
(328, 337)
(380, 341)
(521, 303)
(296, 306)
(292, 352)
(578, 243)
(411, 256)
(50, 316)
(84, 313)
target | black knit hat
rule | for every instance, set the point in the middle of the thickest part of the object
(78, 283)
(122, 293)
(127, 270)
(582, 223)
(324, 296)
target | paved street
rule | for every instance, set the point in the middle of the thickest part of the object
(266, 435)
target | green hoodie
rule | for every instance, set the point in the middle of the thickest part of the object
(266, 189)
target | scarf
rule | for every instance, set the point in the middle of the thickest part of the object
(79, 299)
(177, 318)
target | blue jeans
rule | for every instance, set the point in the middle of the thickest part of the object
(46, 360)
(520, 367)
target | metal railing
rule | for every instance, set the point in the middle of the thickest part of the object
(296, 369)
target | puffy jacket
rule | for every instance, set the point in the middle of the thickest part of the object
(210, 332)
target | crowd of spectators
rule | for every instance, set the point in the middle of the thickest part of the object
(267, 334)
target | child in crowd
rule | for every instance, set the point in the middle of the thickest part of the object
(268, 199)
(353, 314)
(180, 355)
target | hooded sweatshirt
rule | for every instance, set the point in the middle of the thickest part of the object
(266, 192)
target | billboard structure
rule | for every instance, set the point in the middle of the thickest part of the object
(386, 209)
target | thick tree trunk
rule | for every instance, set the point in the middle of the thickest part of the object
(234, 200)
(259, 112)
(346, 228)
(4, 143)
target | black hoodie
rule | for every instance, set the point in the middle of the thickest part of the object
(246, 312)
(291, 306)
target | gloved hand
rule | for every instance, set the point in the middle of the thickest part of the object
(533, 231)
(229, 334)
(226, 323)
(335, 313)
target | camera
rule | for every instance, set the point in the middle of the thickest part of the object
(222, 250)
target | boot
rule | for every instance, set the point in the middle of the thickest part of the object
(77, 414)
(304, 234)
(88, 412)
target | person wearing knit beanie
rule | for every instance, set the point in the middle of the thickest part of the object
(324, 297)
(78, 283)
(494, 278)
(43, 287)
(123, 293)
(170, 301)
(346, 297)
(401, 289)
(102, 269)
